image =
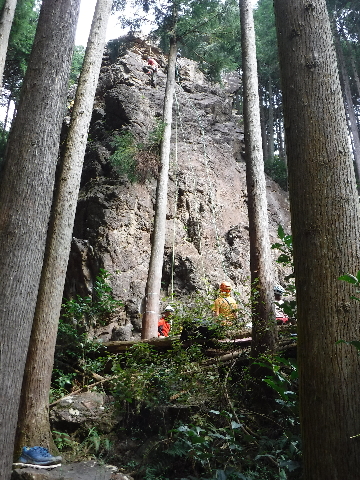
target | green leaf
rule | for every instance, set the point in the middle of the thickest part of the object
(354, 343)
(349, 278)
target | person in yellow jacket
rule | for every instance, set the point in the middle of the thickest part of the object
(225, 305)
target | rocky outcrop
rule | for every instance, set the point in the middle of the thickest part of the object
(207, 237)
(84, 410)
(89, 470)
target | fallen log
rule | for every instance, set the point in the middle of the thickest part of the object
(160, 343)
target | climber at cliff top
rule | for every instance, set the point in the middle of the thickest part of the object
(153, 63)
(225, 305)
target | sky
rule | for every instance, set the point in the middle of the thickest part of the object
(87, 8)
(114, 30)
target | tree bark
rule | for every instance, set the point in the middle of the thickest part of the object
(263, 319)
(153, 284)
(25, 198)
(325, 224)
(271, 123)
(263, 128)
(355, 73)
(33, 423)
(6, 20)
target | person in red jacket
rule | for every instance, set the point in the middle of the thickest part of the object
(153, 65)
(164, 324)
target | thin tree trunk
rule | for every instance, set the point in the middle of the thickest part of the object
(356, 75)
(356, 83)
(153, 285)
(25, 197)
(325, 225)
(349, 106)
(271, 123)
(33, 424)
(263, 130)
(7, 112)
(263, 319)
(6, 20)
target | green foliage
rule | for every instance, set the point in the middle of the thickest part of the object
(92, 310)
(266, 42)
(123, 158)
(353, 280)
(93, 445)
(276, 169)
(222, 447)
(286, 248)
(354, 343)
(208, 442)
(206, 31)
(138, 161)
(197, 312)
(77, 356)
(20, 44)
(283, 380)
(147, 379)
(286, 259)
(214, 43)
(76, 64)
(156, 135)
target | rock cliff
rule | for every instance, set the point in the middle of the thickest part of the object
(207, 237)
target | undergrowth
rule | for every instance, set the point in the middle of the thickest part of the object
(186, 415)
(78, 358)
(138, 161)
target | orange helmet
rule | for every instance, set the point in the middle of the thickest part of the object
(225, 287)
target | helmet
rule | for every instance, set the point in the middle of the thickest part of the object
(225, 286)
(169, 308)
(279, 290)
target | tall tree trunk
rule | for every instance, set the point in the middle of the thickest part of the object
(33, 424)
(271, 123)
(6, 20)
(263, 319)
(355, 73)
(349, 106)
(153, 284)
(280, 130)
(356, 84)
(325, 224)
(25, 197)
(263, 130)
(7, 111)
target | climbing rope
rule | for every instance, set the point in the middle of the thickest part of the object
(210, 185)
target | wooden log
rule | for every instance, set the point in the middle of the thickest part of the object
(159, 343)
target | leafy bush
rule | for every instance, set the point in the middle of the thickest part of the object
(148, 379)
(123, 158)
(286, 259)
(197, 313)
(92, 310)
(78, 357)
(93, 444)
(138, 161)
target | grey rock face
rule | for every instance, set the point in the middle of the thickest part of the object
(207, 225)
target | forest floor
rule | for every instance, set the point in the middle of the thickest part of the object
(190, 411)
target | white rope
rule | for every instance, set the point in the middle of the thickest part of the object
(210, 185)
